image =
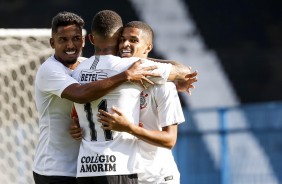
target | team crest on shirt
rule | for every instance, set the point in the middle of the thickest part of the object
(143, 102)
(89, 75)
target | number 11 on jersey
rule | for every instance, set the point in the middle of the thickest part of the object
(89, 115)
(108, 133)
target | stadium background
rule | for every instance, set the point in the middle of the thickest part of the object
(233, 122)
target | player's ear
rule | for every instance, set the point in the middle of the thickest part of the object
(91, 38)
(83, 41)
(149, 48)
(51, 41)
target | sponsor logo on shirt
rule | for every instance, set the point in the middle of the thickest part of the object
(143, 102)
(98, 163)
(86, 76)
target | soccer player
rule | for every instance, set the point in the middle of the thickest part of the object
(106, 156)
(55, 90)
(160, 114)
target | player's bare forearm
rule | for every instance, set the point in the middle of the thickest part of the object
(94, 90)
(165, 139)
(178, 71)
(164, 61)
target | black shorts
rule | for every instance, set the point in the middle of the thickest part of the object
(40, 179)
(110, 179)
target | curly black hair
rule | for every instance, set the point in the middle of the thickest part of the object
(65, 19)
(105, 23)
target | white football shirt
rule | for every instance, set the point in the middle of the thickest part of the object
(56, 152)
(159, 107)
(109, 152)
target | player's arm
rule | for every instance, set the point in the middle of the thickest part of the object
(178, 70)
(181, 75)
(165, 138)
(164, 61)
(118, 122)
(94, 90)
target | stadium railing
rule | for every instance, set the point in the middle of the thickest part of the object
(233, 145)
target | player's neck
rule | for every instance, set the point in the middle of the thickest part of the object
(72, 67)
(105, 51)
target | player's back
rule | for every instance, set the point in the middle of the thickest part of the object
(120, 148)
(125, 96)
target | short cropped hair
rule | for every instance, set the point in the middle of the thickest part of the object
(144, 27)
(65, 19)
(105, 23)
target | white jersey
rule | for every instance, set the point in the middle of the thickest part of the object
(109, 152)
(57, 151)
(160, 106)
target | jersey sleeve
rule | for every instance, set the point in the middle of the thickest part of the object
(169, 106)
(163, 69)
(54, 79)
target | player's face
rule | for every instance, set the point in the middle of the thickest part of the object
(68, 43)
(133, 43)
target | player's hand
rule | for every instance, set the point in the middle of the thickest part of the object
(116, 121)
(74, 130)
(138, 74)
(187, 85)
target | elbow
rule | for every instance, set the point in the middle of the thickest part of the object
(168, 147)
(75, 93)
(170, 144)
